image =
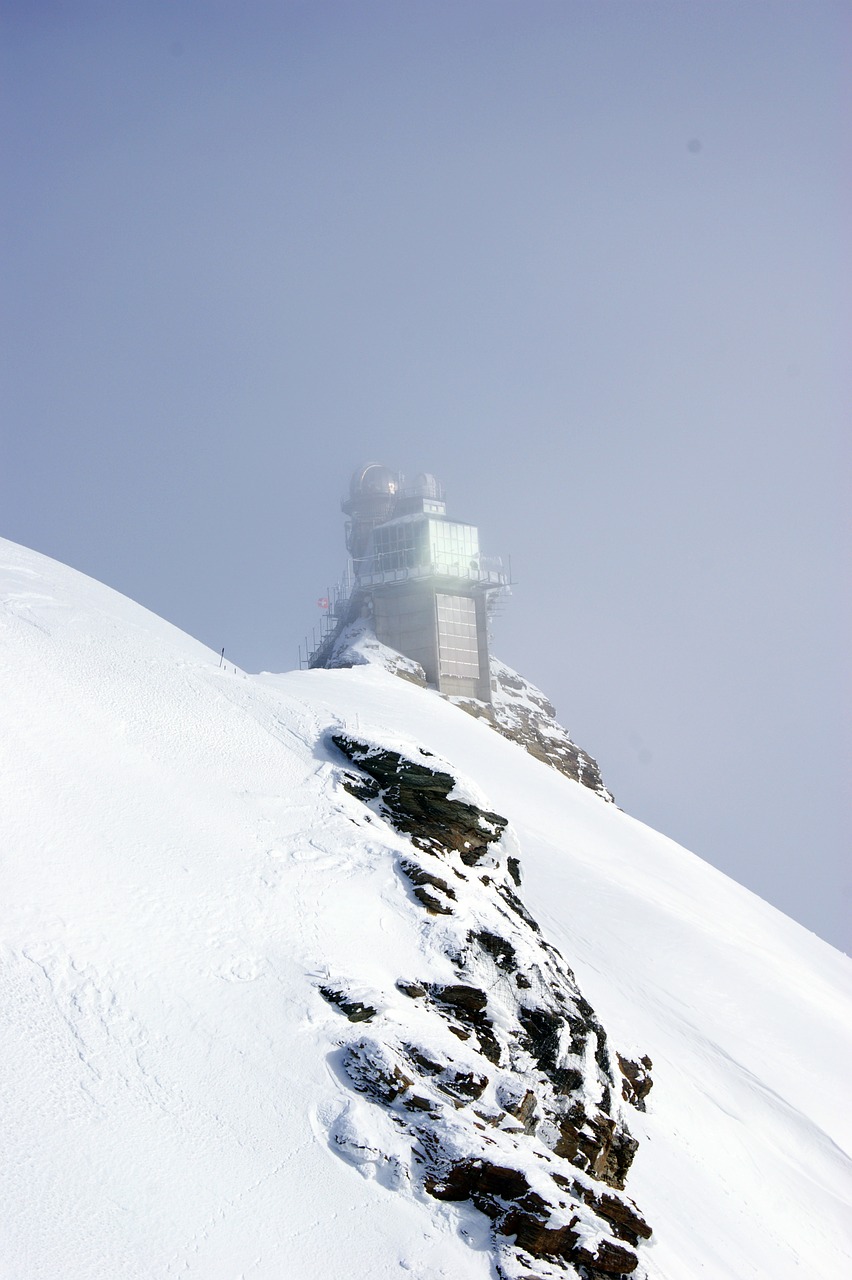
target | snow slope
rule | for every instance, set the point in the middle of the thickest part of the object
(182, 869)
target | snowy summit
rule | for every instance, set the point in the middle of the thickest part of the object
(318, 975)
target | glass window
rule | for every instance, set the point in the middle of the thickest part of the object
(454, 547)
(399, 546)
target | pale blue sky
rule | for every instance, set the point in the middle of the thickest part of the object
(587, 262)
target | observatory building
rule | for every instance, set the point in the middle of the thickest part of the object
(420, 578)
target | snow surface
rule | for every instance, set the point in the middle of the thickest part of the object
(182, 869)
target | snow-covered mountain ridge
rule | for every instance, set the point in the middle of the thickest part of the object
(185, 871)
(518, 709)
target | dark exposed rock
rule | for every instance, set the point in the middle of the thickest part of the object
(424, 881)
(583, 1024)
(566, 1080)
(511, 898)
(361, 788)
(476, 1179)
(504, 1195)
(584, 1009)
(355, 1011)
(417, 800)
(464, 1084)
(469, 1000)
(601, 1051)
(415, 1103)
(371, 1076)
(619, 1158)
(636, 1082)
(532, 1074)
(624, 1218)
(419, 875)
(537, 1239)
(433, 904)
(595, 1143)
(412, 989)
(425, 1063)
(469, 1005)
(498, 947)
(543, 1035)
(607, 1261)
(523, 713)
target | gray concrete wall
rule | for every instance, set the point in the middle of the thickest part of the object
(405, 618)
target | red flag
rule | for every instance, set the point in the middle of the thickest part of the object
(322, 603)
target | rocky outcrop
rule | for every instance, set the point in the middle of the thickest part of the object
(636, 1080)
(521, 712)
(490, 1066)
(518, 710)
(355, 1010)
(416, 798)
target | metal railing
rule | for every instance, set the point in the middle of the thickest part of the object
(490, 576)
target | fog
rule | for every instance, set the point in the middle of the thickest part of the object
(586, 262)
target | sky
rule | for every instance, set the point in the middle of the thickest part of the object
(587, 262)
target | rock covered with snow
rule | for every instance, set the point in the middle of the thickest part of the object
(356, 645)
(522, 713)
(501, 1081)
(518, 710)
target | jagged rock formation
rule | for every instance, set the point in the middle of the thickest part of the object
(518, 710)
(522, 713)
(636, 1080)
(497, 1082)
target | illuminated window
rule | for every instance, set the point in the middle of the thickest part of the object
(454, 547)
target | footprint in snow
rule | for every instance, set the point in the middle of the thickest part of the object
(242, 970)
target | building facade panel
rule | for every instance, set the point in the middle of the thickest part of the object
(458, 649)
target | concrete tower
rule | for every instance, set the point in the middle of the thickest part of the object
(421, 578)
